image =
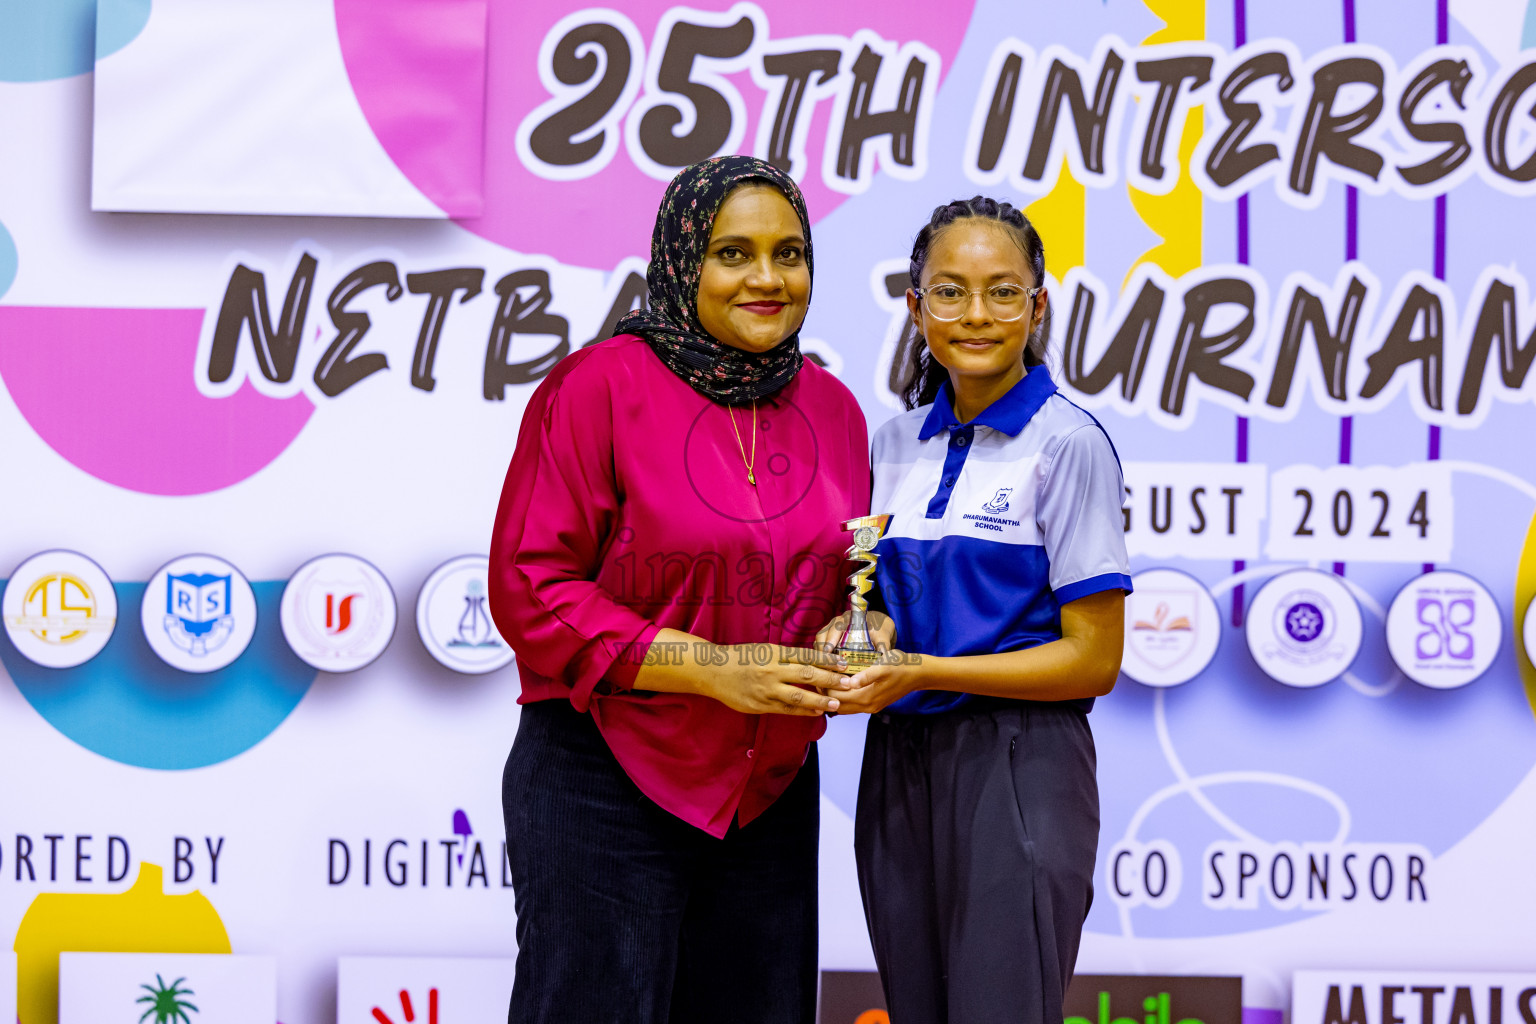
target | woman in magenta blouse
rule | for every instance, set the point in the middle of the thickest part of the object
(666, 548)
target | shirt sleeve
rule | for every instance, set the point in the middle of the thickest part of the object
(558, 507)
(1081, 498)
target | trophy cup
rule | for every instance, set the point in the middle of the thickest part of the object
(855, 645)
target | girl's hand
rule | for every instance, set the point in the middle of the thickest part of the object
(790, 683)
(891, 678)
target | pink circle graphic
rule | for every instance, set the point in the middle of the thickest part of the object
(601, 219)
(418, 70)
(111, 390)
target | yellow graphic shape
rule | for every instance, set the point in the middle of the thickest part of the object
(1183, 20)
(1178, 217)
(1525, 592)
(1061, 218)
(142, 920)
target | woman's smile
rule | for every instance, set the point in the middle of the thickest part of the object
(762, 307)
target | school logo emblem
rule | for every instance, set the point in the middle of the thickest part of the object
(167, 988)
(999, 503)
(168, 1003)
(454, 620)
(1172, 628)
(59, 609)
(1166, 635)
(1304, 628)
(199, 613)
(338, 613)
(1304, 622)
(423, 990)
(407, 1010)
(1444, 629)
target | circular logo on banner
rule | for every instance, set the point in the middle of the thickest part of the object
(1304, 628)
(338, 613)
(199, 613)
(59, 609)
(1444, 629)
(1172, 627)
(453, 619)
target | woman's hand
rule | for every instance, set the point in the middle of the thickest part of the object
(792, 682)
(755, 679)
(888, 680)
(882, 631)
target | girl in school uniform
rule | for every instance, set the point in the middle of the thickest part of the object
(1005, 568)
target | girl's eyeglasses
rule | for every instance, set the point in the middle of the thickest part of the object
(1006, 302)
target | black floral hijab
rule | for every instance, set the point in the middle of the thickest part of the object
(678, 245)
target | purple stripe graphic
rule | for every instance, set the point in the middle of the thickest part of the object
(1239, 38)
(1239, 565)
(1442, 37)
(1440, 206)
(1346, 454)
(1242, 230)
(1351, 252)
(1351, 223)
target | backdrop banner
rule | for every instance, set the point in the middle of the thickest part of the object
(276, 289)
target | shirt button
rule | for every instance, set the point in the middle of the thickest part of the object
(949, 481)
(959, 440)
(751, 753)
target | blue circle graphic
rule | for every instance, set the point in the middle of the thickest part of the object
(8, 260)
(128, 705)
(40, 42)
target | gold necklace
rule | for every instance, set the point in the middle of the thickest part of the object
(751, 479)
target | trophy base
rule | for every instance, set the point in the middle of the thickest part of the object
(857, 659)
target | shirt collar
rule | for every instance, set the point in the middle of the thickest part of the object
(1008, 414)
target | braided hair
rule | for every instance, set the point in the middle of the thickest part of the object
(925, 375)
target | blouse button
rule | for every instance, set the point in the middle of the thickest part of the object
(751, 753)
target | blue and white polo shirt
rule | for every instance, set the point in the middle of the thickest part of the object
(996, 524)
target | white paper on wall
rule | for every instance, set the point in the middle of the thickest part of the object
(293, 107)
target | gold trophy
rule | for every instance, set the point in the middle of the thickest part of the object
(855, 644)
